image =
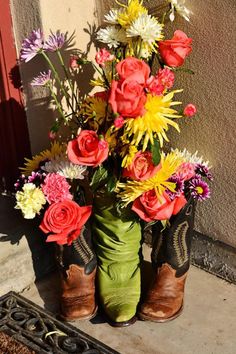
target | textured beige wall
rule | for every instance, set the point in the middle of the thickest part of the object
(212, 89)
(66, 15)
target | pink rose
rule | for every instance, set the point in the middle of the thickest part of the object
(133, 69)
(87, 149)
(174, 51)
(127, 98)
(102, 56)
(149, 207)
(190, 110)
(141, 167)
(64, 220)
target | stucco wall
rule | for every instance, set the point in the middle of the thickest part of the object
(212, 88)
(74, 17)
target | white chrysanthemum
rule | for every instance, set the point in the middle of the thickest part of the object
(112, 36)
(64, 167)
(30, 200)
(188, 157)
(112, 16)
(182, 10)
(146, 27)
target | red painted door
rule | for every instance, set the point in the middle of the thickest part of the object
(14, 137)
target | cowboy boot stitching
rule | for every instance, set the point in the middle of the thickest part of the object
(179, 242)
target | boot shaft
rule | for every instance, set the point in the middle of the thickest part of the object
(80, 253)
(173, 244)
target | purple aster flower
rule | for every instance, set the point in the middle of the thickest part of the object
(42, 79)
(199, 189)
(55, 41)
(179, 186)
(32, 45)
(203, 170)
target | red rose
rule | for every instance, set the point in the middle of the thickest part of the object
(149, 207)
(64, 220)
(127, 98)
(174, 51)
(133, 69)
(87, 149)
(141, 167)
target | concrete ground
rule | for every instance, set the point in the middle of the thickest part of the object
(207, 325)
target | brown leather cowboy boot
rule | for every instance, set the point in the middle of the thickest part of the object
(171, 261)
(78, 269)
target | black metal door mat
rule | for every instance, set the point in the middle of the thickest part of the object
(38, 330)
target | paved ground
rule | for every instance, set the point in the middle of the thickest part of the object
(207, 325)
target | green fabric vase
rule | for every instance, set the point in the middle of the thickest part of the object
(117, 240)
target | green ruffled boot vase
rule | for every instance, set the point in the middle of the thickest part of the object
(117, 240)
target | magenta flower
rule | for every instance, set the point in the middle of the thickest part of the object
(55, 41)
(56, 188)
(203, 170)
(199, 189)
(42, 79)
(32, 45)
(179, 186)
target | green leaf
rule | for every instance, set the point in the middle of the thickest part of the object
(111, 184)
(99, 176)
(156, 154)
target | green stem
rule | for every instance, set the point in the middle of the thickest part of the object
(67, 76)
(58, 105)
(52, 67)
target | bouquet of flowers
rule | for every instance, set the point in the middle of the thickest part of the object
(116, 149)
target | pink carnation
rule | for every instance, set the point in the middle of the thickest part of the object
(103, 56)
(166, 77)
(186, 171)
(56, 188)
(190, 110)
(154, 86)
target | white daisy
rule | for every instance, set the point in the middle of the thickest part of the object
(179, 6)
(112, 36)
(64, 167)
(188, 157)
(112, 16)
(146, 27)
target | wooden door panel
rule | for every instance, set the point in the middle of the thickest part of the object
(14, 137)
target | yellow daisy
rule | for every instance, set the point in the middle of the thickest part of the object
(33, 164)
(133, 189)
(130, 12)
(94, 109)
(155, 122)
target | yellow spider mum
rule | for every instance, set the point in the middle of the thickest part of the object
(133, 189)
(155, 122)
(128, 152)
(130, 12)
(94, 109)
(33, 164)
